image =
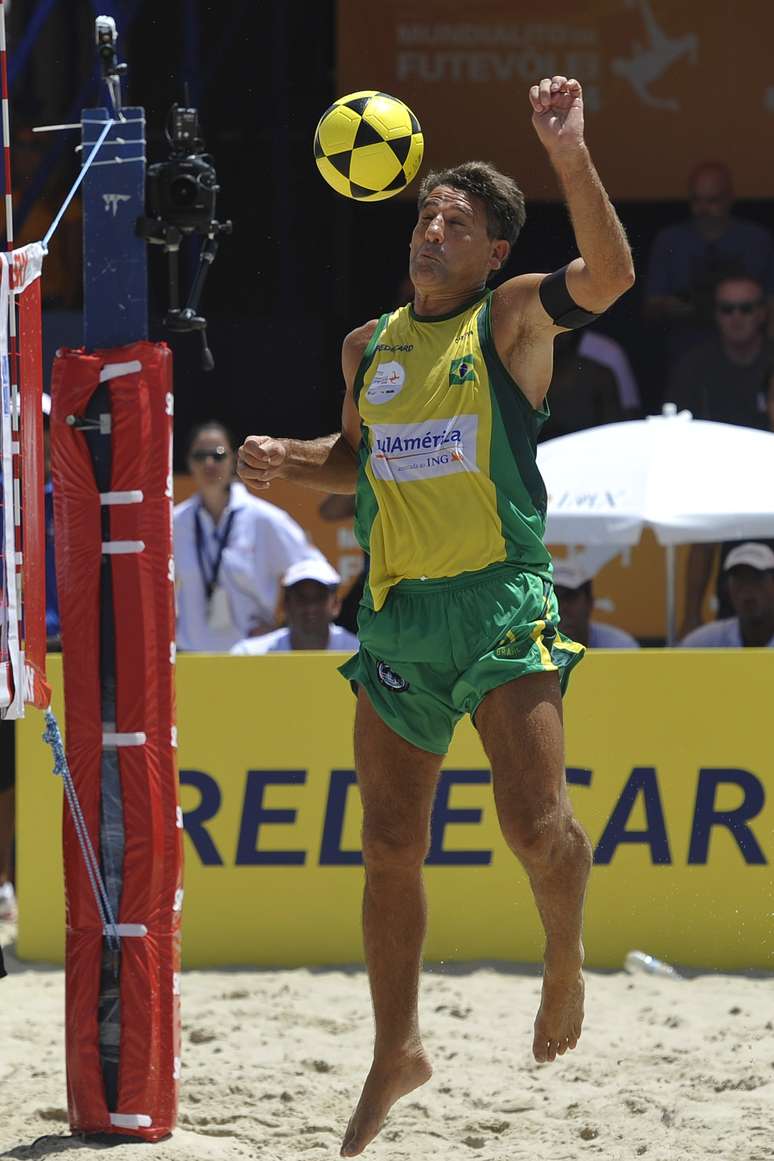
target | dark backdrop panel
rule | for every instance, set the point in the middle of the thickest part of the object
(303, 265)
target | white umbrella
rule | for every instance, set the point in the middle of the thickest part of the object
(687, 479)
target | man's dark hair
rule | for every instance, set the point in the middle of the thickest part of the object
(738, 275)
(504, 201)
(585, 588)
(208, 425)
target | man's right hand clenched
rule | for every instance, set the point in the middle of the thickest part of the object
(260, 460)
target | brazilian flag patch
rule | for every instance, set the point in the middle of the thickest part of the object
(463, 370)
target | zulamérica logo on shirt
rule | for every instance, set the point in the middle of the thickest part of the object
(416, 451)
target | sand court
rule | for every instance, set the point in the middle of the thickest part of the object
(273, 1062)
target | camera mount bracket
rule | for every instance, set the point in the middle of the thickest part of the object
(182, 319)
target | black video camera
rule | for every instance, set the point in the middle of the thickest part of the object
(183, 189)
(181, 196)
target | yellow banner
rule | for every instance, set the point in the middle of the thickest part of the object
(662, 82)
(671, 773)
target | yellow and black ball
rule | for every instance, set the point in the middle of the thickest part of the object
(368, 145)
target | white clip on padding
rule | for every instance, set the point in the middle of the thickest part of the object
(131, 1120)
(115, 370)
(122, 547)
(135, 497)
(113, 739)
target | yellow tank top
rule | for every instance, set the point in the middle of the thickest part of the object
(448, 480)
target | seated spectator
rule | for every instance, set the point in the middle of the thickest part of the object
(602, 349)
(342, 507)
(576, 602)
(701, 561)
(231, 550)
(749, 570)
(726, 377)
(310, 589)
(688, 259)
(583, 391)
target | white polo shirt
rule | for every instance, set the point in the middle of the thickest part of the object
(263, 542)
(279, 642)
(604, 636)
(717, 635)
(611, 354)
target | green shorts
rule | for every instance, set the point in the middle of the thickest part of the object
(437, 647)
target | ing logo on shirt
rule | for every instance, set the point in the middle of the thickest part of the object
(403, 452)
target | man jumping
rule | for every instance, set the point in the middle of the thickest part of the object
(444, 401)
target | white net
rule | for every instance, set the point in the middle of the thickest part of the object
(26, 264)
(10, 658)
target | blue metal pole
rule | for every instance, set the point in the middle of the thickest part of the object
(115, 268)
(115, 313)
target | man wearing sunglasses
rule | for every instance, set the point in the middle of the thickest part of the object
(231, 550)
(726, 380)
(688, 259)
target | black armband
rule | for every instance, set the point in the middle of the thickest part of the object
(559, 304)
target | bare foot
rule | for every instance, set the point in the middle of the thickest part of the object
(385, 1084)
(560, 1016)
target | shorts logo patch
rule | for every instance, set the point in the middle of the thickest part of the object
(509, 646)
(390, 679)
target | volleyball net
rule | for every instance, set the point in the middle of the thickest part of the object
(111, 466)
(22, 517)
(111, 475)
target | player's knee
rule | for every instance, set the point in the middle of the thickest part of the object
(545, 830)
(393, 848)
(532, 833)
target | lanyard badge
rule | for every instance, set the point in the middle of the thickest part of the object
(218, 608)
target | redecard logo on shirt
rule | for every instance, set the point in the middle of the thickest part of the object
(419, 451)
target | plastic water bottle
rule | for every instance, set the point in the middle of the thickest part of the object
(640, 961)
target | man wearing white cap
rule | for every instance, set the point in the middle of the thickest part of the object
(572, 585)
(749, 570)
(310, 590)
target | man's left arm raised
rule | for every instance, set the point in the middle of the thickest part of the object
(529, 310)
(605, 269)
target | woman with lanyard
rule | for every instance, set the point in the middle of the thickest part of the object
(231, 550)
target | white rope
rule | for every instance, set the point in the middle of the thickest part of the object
(55, 128)
(53, 736)
(76, 184)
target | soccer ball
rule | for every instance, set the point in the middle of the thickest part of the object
(368, 145)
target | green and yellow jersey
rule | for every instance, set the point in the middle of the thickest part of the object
(448, 480)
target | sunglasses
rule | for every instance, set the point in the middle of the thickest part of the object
(742, 307)
(202, 454)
